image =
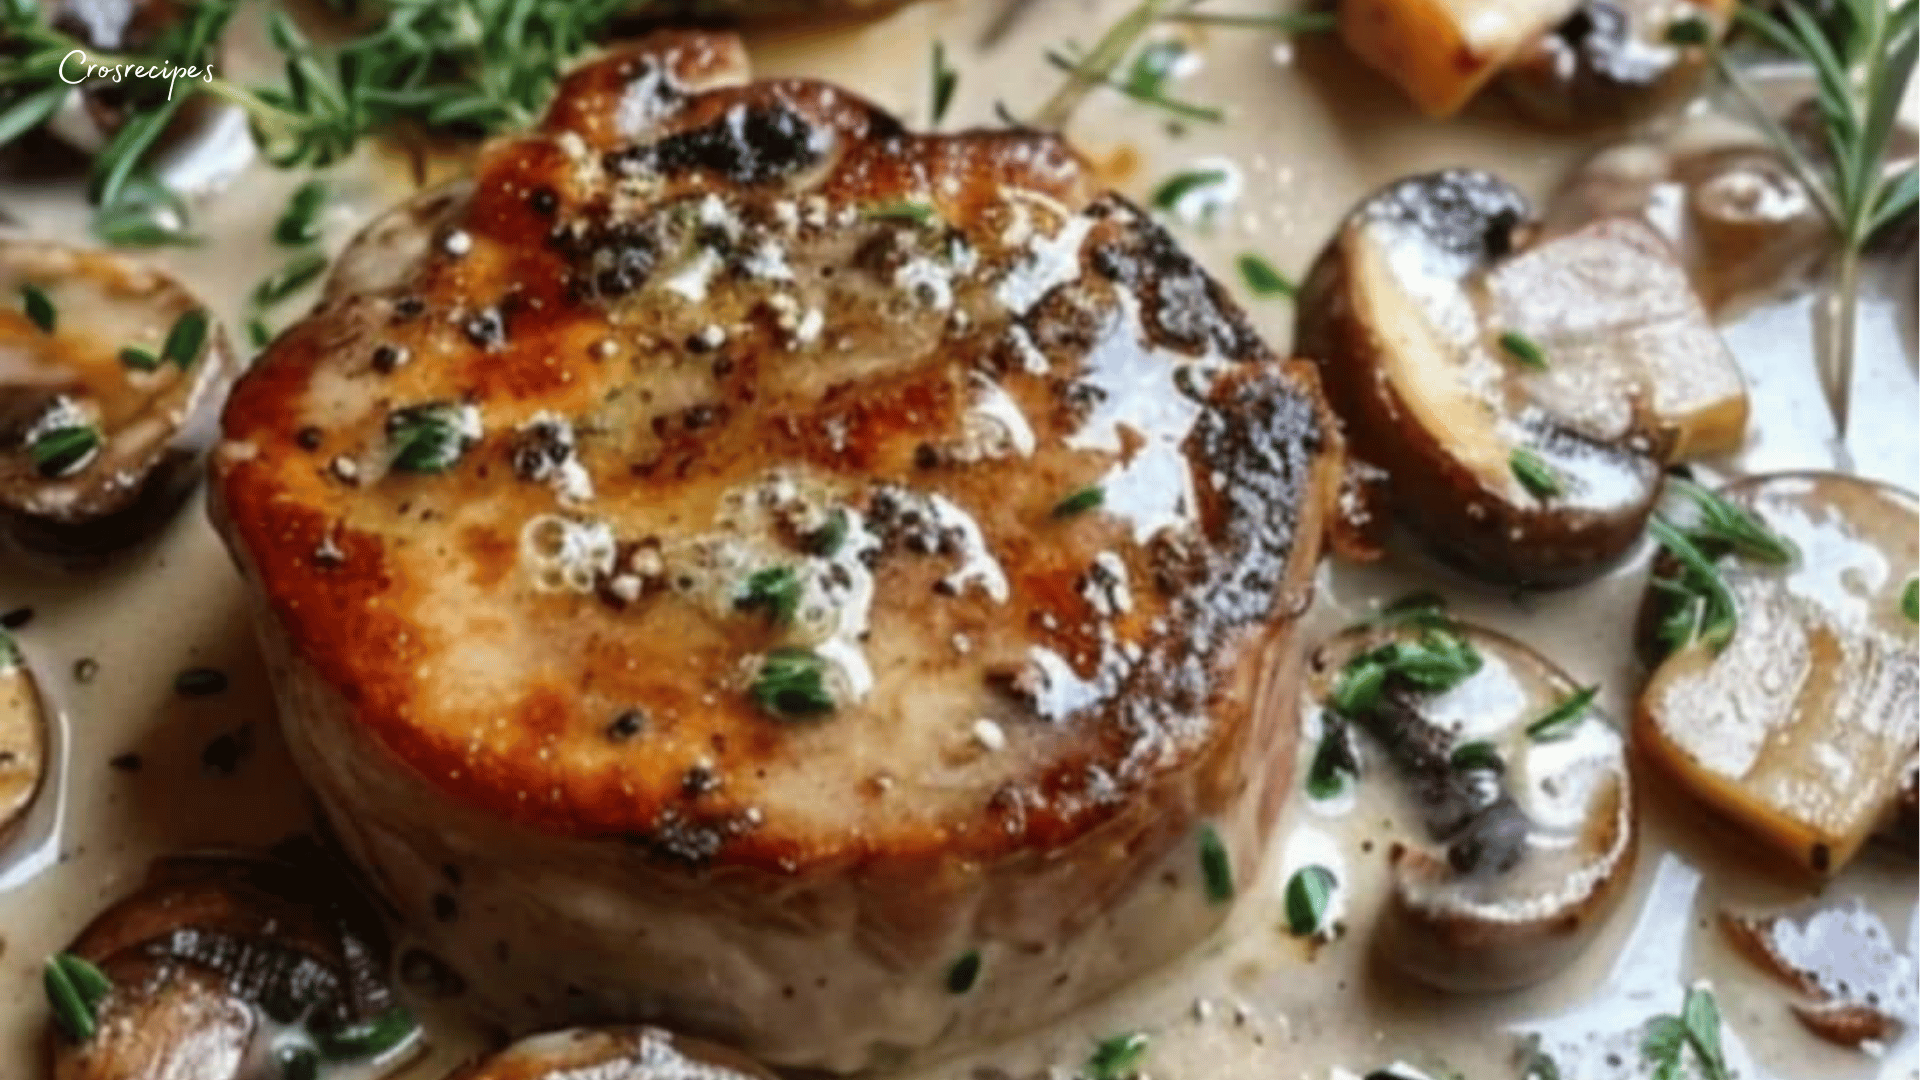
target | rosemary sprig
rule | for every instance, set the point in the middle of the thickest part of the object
(1097, 67)
(1724, 526)
(1559, 721)
(1700, 606)
(1862, 60)
(75, 988)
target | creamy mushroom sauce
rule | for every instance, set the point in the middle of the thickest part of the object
(1310, 133)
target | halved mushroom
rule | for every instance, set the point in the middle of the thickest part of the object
(23, 739)
(229, 967)
(1566, 59)
(1521, 393)
(111, 380)
(99, 108)
(1515, 787)
(1611, 59)
(1787, 693)
(618, 1053)
(1855, 984)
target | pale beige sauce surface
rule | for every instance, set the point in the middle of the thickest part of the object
(1308, 136)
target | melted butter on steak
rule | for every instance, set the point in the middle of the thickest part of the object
(702, 382)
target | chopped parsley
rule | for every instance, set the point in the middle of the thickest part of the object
(39, 308)
(1668, 1039)
(1180, 185)
(1524, 350)
(774, 591)
(368, 1038)
(1262, 279)
(299, 223)
(185, 339)
(1117, 1056)
(1334, 764)
(1309, 895)
(1534, 473)
(1476, 756)
(62, 451)
(430, 438)
(827, 540)
(792, 685)
(1559, 721)
(297, 274)
(1087, 498)
(945, 81)
(75, 988)
(1216, 865)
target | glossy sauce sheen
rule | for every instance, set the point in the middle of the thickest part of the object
(1312, 135)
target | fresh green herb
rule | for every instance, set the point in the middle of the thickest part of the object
(40, 310)
(1333, 765)
(185, 339)
(1438, 661)
(1533, 473)
(63, 451)
(1262, 279)
(1087, 498)
(963, 973)
(467, 66)
(1292, 22)
(1309, 894)
(300, 223)
(1476, 756)
(1910, 600)
(368, 1038)
(1559, 721)
(1524, 350)
(1725, 527)
(774, 590)
(1689, 32)
(289, 279)
(430, 438)
(792, 685)
(1180, 185)
(1117, 1057)
(1668, 1037)
(1700, 607)
(1146, 77)
(75, 988)
(259, 334)
(945, 81)
(139, 359)
(919, 213)
(1216, 865)
(200, 682)
(1423, 607)
(827, 540)
(1536, 1063)
(145, 214)
(1862, 59)
(10, 657)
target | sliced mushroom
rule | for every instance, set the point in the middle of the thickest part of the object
(1518, 798)
(1802, 727)
(619, 1053)
(111, 380)
(1566, 58)
(1521, 393)
(1611, 59)
(23, 739)
(1854, 983)
(101, 107)
(230, 967)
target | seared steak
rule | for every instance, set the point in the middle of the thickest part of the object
(738, 562)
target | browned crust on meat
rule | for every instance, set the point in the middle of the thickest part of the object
(341, 573)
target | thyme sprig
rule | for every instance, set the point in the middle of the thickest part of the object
(1861, 59)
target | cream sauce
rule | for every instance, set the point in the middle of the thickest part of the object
(1310, 135)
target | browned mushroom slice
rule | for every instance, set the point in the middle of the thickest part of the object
(1520, 395)
(228, 967)
(1611, 59)
(1855, 984)
(1514, 788)
(1801, 726)
(620, 1053)
(1567, 59)
(23, 739)
(111, 380)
